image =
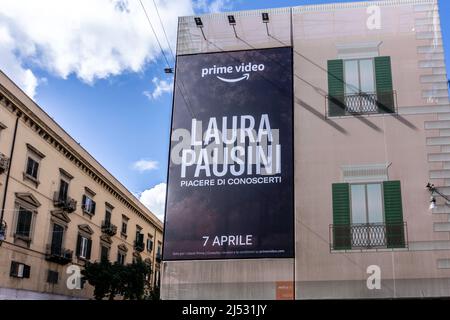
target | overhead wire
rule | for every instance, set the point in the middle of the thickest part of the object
(162, 50)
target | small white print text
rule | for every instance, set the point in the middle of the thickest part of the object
(229, 181)
(230, 310)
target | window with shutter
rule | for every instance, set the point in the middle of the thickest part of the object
(104, 253)
(336, 88)
(63, 190)
(26, 271)
(393, 210)
(89, 248)
(384, 85)
(341, 216)
(360, 86)
(24, 222)
(19, 270)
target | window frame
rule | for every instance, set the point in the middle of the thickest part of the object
(63, 181)
(84, 244)
(365, 184)
(358, 60)
(36, 156)
(121, 257)
(89, 210)
(108, 249)
(125, 221)
(21, 209)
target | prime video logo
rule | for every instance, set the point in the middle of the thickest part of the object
(225, 73)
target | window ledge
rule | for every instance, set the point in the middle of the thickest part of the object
(370, 250)
(123, 235)
(361, 115)
(89, 214)
(31, 178)
(21, 237)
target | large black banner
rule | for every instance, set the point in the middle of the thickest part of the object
(230, 180)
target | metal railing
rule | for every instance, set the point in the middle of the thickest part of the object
(58, 254)
(368, 236)
(139, 246)
(364, 103)
(68, 204)
(361, 103)
(109, 228)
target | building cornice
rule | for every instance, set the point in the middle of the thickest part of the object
(315, 7)
(14, 105)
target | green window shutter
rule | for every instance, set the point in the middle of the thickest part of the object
(385, 91)
(89, 249)
(341, 216)
(78, 248)
(393, 211)
(336, 90)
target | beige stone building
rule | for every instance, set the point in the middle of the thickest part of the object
(61, 208)
(361, 205)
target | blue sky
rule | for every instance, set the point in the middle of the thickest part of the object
(108, 113)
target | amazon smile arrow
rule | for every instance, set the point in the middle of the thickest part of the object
(245, 76)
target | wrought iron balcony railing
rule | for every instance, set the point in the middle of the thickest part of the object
(109, 228)
(139, 246)
(368, 236)
(68, 204)
(365, 103)
(58, 254)
(4, 163)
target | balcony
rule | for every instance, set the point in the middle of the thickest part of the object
(58, 255)
(363, 103)
(68, 204)
(108, 228)
(368, 236)
(4, 163)
(139, 246)
(158, 257)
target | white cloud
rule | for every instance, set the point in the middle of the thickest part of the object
(212, 6)
(155, 199)
(145, 165)
(161, 86)
(12, 66)
(90, 39)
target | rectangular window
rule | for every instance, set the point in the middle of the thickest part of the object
(121, 258)
(83, 247)
(63, 190)
(88, 205)
(360, 92)
(104, 253)
(19, 270)
(107, 217)
(57, 239)
(24, 223)
(149, 243)
(32, 168)
(124, 225)
(52, 277)
(367, 203)
(360, 86)
(368, 215)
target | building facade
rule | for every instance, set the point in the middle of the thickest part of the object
(371, 129)
(61, 208)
